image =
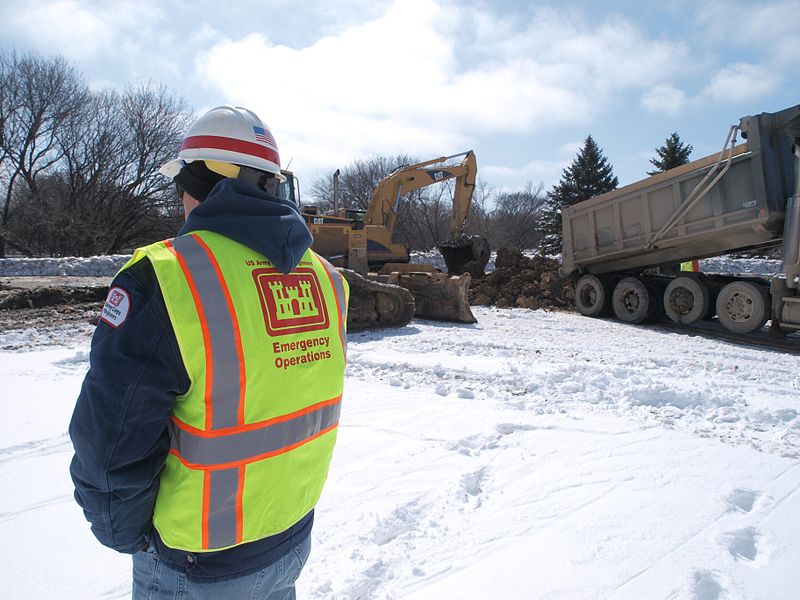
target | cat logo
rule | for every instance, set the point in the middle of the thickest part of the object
(291, 303)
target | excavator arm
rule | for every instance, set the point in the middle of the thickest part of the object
(382, 209)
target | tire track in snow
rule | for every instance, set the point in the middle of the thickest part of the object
(553, 368)
(36, 448)
(13, 514)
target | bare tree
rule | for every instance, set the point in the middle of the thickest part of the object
(516, 218)
(85, 180)
(357, 181)
(39, 96)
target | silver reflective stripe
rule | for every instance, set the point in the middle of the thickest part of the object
(221, 514)
(224, 358)
(338, 288)
(223, 488)
(236, 447)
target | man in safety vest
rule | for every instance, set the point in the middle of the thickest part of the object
(206, 423)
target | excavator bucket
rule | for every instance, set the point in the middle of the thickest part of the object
(437, 296)
(466, 255)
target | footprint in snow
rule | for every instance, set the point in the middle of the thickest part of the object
(474, 444)
(742, 500)
(471, 485)
(742, 544)
(706, 586)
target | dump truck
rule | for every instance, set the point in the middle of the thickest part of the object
(621, 247)
(360, 242)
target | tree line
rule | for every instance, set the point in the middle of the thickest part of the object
(79, 167)
(528, 219)
(79, 173)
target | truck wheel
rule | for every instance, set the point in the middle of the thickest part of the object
(743, 306)
(593, 297)
(687, 300)
(633, 302)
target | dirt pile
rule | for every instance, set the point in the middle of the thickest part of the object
(39, 297)
(519, 281)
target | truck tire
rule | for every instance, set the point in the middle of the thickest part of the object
(743, 307)
(687, 300)
(634, 302)
(593, 297)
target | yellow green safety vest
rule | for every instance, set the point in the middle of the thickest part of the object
(692, 266)
(252, 439)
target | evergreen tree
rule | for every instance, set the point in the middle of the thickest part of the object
(588, 175)
(673, 153)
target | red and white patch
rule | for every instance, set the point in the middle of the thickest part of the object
(117, 307)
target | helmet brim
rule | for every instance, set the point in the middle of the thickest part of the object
(172, 168)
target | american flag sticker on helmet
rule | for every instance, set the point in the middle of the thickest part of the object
(264, 136)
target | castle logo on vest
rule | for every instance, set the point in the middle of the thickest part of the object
(291, 303)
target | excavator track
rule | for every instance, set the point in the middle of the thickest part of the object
(374, 304)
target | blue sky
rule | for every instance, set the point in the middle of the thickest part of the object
(520, 83)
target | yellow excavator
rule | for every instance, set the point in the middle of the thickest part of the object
(360, 242)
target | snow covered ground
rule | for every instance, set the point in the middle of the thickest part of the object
(533, 455)
(107, 266)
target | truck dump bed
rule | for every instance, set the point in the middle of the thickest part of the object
(647, 223)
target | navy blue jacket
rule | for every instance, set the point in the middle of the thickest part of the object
(119, 427)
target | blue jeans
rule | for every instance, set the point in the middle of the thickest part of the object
(154, 580)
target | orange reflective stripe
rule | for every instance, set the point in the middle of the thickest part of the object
(236, 331)
(239, 511)
(206, 335)
(250, 459)
(339, 309)
(206, 506)
(257, 425)
(238, 449)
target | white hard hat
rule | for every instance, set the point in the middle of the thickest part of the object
(230, 135)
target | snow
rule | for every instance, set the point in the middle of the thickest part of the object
(107, 266)
(92, 266)
(533, 455)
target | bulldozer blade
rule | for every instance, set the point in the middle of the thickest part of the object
(466, 255)
(374, 304)
(436, 296)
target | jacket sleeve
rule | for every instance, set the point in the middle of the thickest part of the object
(119, 427)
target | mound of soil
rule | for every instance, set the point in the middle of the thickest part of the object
(40, 297)
(519, 281)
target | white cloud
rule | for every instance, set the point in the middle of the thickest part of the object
(571, 147)
(665, 99)
(411, 80)
(547, 172)
(767, 31)
(83, 30)
(66, 26)
(742, 82)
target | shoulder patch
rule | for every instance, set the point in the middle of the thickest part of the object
(117, 307)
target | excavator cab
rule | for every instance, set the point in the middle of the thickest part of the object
(289, 189)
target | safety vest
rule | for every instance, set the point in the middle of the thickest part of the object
(252, 439)
(691, 266)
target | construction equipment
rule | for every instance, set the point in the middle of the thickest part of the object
(362, 241)
(620, 244)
